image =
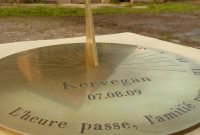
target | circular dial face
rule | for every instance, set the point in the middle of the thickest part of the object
(134, 90)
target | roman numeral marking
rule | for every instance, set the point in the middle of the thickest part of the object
(158, 51)
(182, 60)
(162, 52)
(196, 71)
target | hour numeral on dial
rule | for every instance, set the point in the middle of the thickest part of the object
(158, 51)
(196, 71)
(162, 52)
(143, 48)
(182, 60)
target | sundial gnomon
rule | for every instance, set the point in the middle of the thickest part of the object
(134, 90)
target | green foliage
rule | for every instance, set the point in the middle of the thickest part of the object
(39, 1)
(40, 11)
(173, 7)
(168, 7)
(167, 37)
(115, 1)
(31, 1)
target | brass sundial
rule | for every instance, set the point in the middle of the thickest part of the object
(123, 85)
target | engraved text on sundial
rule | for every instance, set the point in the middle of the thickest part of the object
(133, 90)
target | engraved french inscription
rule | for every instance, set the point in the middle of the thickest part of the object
(27, 116)
(107, 126)
(173, 113)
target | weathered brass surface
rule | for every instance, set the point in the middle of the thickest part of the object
(134, 90)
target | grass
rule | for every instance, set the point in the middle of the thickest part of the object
(168, 7)
(167, 37)
(40, 11)
(43, 10)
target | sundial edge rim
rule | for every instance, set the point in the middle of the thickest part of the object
(119, 38)
(107, 39)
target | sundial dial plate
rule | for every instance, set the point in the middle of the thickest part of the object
(136, 88)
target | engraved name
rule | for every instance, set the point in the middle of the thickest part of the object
(123, 82)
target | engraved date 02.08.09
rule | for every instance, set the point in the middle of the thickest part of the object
(115, 94)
